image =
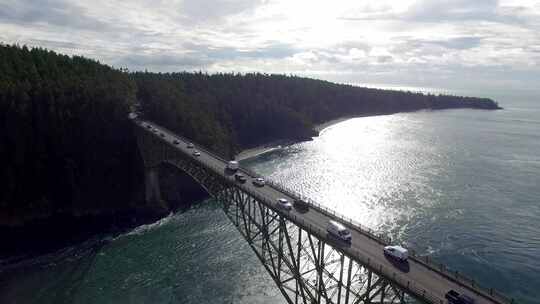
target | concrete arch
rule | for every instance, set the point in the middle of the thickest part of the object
(196, 174)
(200, 181)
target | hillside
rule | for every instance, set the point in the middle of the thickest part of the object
(65, 142)
(67, 153)
(231, 112)
(69, 157)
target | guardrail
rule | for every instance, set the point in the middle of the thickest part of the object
(382, 239)
(440, 268)
(388, 273)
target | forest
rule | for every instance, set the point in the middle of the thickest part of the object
(231, 112)
(67, 147)
(65, 143)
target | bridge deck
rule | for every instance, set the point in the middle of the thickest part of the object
(363, 246)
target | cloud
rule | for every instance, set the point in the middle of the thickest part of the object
(459, 43)
(272, 51)
(202, 11)
(163, 61)
(49, 13)
(443, 10)
(198, 56)
(450, 11)
(426, 41)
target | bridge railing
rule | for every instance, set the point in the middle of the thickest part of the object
(389, 273)
(380, 238)
(199, 147)
(440, 268)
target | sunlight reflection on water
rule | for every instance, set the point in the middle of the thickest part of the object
(450, 184)
(458, 185)
(355, 169)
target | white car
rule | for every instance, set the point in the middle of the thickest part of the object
(196, 153)
(284, 204)
(232, 165)
(259, 182)
(397, 252)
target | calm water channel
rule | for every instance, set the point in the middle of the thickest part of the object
(462, 186)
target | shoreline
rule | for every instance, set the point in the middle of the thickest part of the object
(269, 147)
(319, 128)
(262, 149)
(278, 144)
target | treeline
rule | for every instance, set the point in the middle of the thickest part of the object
(65, 140)
(229, 112)
(66, 144)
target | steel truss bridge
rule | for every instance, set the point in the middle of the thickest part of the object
(306, 264)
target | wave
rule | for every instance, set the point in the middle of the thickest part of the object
(147, 227)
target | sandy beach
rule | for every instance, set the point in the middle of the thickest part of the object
(319, 128)
(256, 151)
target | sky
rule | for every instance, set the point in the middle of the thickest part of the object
(460, 44)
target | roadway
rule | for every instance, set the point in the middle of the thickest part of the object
(417, 273)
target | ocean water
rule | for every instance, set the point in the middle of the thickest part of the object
(462, 186)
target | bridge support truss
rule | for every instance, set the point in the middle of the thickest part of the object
(305, 268)
(154, 153)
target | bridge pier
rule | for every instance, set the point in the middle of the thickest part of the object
(151, 182)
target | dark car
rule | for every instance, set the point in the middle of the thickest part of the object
(301, 204)
(454, 297)
(176, 142)
(240, 177)
(161, 134)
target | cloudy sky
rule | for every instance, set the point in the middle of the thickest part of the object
(459, 44)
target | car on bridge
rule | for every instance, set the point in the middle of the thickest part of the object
(239, 177)
(284, 204)
(190, 146)
(454, 297)
(259, 182)
(232, 165)
(339, 231)
(301, 204)
(196, 153)
(162, 134)
(396, 252)
(176, 142)
(148, 126)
